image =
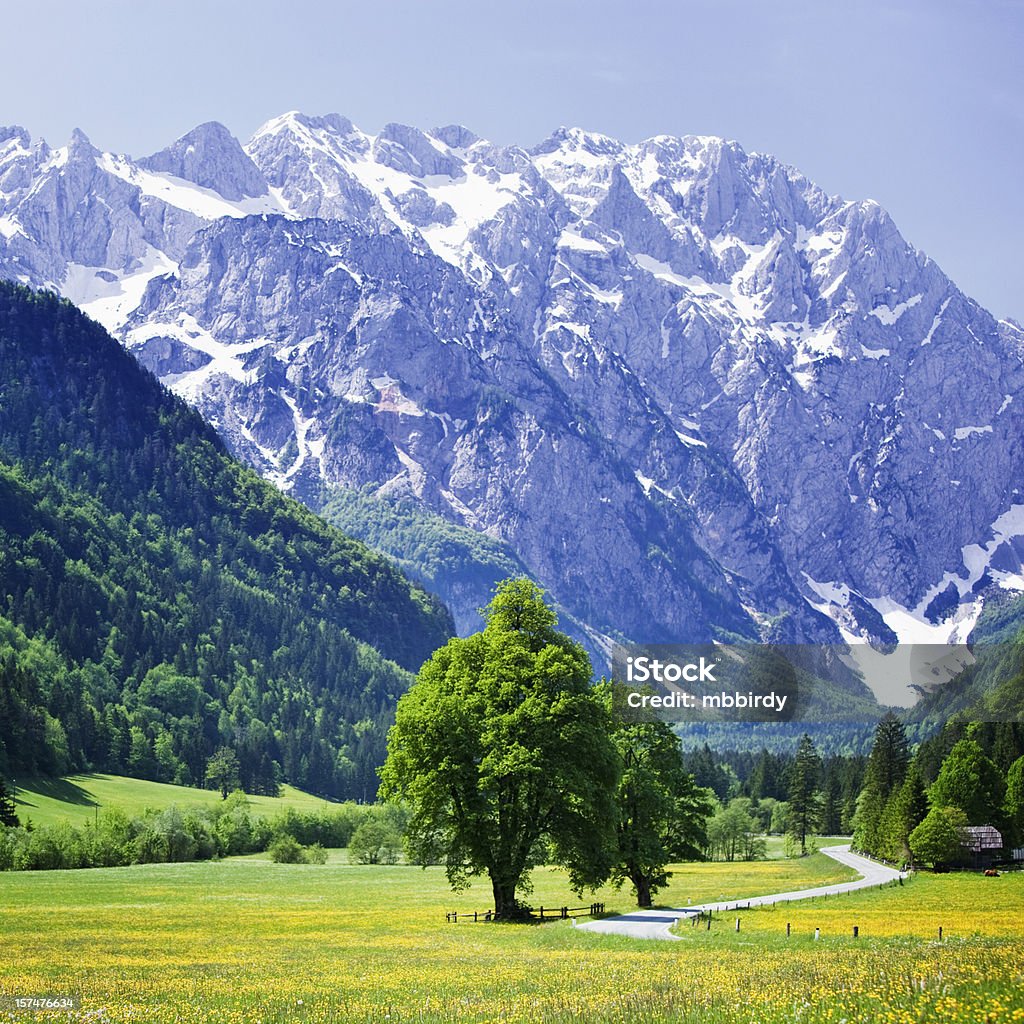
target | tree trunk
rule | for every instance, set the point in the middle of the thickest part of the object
(643, 891)
(505, 906)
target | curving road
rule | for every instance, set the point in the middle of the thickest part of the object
(655, 924)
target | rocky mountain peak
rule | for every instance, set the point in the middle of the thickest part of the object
(210, 156)
(687, 387)
(79, 146)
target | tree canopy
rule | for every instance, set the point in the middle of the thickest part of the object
(504, 752)
(937, 840)
(661, 811)
(969, 780)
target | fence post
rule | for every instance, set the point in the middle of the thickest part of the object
(709, 920)
(737, 924)
(474, 916)
(455, 917)
(856, 931)
(565, 913)
(542, 913)
(940, 933)
(787, 929)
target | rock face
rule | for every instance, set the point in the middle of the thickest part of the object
(210, 156)
(693, 392)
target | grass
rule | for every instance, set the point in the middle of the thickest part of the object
(952, 902)
(776, 845)
(708, 883)
(77, 798)
(245, 940)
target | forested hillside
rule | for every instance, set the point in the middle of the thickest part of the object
(159, 601)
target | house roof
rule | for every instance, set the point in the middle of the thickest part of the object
(981, 837)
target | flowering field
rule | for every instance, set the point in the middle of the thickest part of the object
(244, 940)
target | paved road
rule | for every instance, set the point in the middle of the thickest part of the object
(655, 924)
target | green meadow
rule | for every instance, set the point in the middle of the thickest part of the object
(246, 940)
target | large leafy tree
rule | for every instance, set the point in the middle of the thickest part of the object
(661, 811)
(222, 771)
(969, 780)
(505, 754)
(1014, 804)
(732, 833)
(937, 840)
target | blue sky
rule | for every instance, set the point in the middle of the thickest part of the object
(919, 105)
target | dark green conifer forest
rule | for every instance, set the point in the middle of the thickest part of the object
(159, 601)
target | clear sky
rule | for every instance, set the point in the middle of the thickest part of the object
(918, 104)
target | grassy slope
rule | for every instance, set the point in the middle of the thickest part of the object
(244, 940)
(77, 797)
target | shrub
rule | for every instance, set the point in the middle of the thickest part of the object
(286, 850)
(316, 854)
(109, 843)
(374, 842)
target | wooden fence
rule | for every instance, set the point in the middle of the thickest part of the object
(540, 914)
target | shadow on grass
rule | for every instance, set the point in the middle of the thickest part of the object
(57, 789)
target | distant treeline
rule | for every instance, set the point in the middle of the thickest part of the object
(915, 804)
(763, 779)
(178, 834)
(967, 773)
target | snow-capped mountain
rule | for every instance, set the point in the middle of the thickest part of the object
(695, 393)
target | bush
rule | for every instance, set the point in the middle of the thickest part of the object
(202, 833)
(333, 828)
(234, 832)
(374, 842)
(286, 850)
(8, 847)
(150, 845)
(109, 842)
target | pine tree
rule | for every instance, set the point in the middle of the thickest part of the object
(866, 821)
(890, 756)
(911, 808)
(8, 816)
(878, 822)
(831, 807)
(804, 799)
